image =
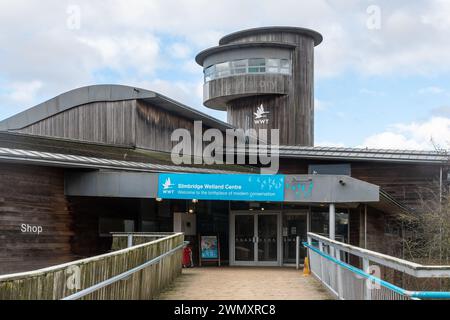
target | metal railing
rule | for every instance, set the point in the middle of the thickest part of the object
(327, 261)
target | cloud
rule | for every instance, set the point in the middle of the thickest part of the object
(330, 144)
(426, 135)
(443, 111)
(431, 90)
(180, 50)
(125, 52)
(148, 40)
(24, 92)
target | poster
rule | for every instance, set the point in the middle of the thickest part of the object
(209, 247)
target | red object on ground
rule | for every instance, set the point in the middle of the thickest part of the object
(187, 257)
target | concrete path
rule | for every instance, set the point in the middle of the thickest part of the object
(244, 283)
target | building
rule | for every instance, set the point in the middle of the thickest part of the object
(94, 160)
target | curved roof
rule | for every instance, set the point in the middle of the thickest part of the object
(200, 58)
(254, 31)
(102, 93)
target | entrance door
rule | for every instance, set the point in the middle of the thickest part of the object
(254, 239)
(294, 224)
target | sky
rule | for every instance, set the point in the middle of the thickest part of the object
(382, 73)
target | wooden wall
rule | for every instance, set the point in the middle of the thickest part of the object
(132, 123)
(142, 285)
(154, 127)
(35, 196)
(101, 122)
(407, 183)
(86, 212)
(296, 119)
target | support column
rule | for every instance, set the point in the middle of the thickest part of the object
(332, 222)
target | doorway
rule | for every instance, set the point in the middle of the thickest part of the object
(255, 238)
(295, 224)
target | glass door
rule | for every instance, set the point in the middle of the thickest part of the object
(294, 224)
(244, 238)
(267, 237)
(255, 239)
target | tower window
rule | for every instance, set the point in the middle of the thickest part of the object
(244, 66)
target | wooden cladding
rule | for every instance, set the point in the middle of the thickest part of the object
(219, 92)
(290, 98)
(52, 283)
(100, 122)
(131, 123)
(33, 196)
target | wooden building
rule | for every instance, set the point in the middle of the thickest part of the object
(87, 163)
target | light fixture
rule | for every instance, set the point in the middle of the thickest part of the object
(262, 209)
(191, 210)
(158, 199)
(194, 200)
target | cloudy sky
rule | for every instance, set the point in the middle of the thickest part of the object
(382, 73)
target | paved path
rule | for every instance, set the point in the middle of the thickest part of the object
(244, 283)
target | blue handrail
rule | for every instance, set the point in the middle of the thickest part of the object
(390, 286)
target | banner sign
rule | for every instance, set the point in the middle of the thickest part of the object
(209, 247)
(238, 187)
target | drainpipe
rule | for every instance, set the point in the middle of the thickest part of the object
(332, 222)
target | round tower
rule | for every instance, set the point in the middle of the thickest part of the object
(264, 78)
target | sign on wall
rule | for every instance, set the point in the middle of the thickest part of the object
(238, 187)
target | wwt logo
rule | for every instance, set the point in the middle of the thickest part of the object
(261, 115)
(167, 184)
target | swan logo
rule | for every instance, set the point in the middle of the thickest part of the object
(167, 184)
(261, 115)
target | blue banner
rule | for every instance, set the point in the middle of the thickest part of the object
(239, 187)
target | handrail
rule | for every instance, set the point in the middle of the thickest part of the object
(64, 266)
(390, 286)
(411, 268)
(123, 275)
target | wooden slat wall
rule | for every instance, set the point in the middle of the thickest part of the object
(154, 127)
(406, 183)
(102, 122)
(86, 212)
(35, 196)
(132, 123)
(296, 118)
(51, 283)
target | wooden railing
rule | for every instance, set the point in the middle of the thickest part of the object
(137, 272)
(122, 240)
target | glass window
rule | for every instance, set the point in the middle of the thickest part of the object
(222, 69)
(285, 66)
(256, 62)
(243, 66)
(256, 65)
(239, 66)
(273, 62)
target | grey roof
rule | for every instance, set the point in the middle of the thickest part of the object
(248, 32)
(200, 58)
(76, 161)
(387, 155)
(107, 92)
